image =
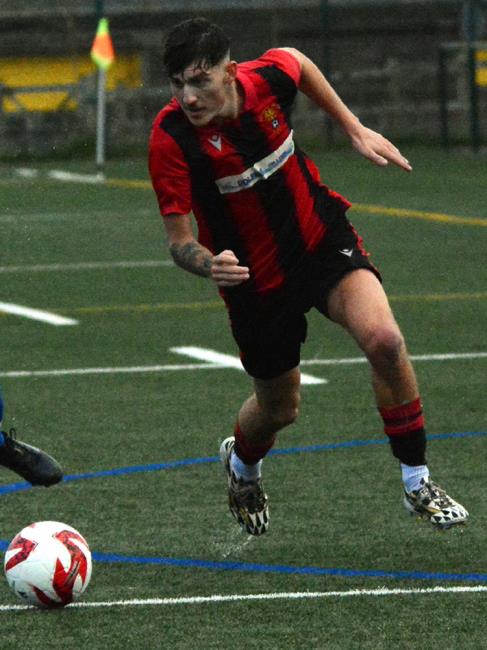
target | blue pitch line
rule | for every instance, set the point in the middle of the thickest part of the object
(284, 569)
(263, 568)
(113, 558)
(155, 467)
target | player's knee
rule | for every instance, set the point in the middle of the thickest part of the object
(283, 414)
(385, 345)
(285, 417)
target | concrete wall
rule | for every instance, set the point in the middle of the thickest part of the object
(381, 57)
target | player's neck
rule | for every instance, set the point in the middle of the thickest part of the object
(233, 105)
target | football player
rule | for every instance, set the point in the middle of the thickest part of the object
(277, 242)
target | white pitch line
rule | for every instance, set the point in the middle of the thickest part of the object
(217, 366)
(86, 266)
(291, 595)
(59, 175)
(106, 371)
(449, 356)
(229, 361)
(211, 356)
(27, 172)
(36, 314)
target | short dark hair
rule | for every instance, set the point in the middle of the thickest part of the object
(194, 41)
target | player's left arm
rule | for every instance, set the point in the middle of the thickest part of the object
(367, 142)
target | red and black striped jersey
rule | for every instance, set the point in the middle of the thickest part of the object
(251, 188)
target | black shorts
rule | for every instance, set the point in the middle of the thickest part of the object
(269, 331)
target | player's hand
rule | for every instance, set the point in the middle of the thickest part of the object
(225, 270)
(378, 149)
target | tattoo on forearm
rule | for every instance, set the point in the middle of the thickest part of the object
(192, 257)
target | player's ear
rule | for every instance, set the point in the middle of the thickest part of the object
(230, 72)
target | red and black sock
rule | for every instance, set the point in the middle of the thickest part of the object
(404, 425)
(249, 452)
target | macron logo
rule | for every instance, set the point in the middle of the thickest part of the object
(216, 141)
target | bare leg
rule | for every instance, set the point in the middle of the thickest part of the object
(273, 406)
(360, 305)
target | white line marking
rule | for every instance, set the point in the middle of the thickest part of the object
(59, 175)
(27, 172)
(450, 356)
(229, 361)
(86, 266)
(21, 216)
(214, 366)
(204, 354)
(36, 314)
(106, 371)
(291, 595)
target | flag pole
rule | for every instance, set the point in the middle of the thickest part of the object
(100, 119)
(103, 55)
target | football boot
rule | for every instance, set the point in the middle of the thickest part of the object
(32, 464)
(432, 503)
(246, 499)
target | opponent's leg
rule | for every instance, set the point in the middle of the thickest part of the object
(32, 464)
(273, 406)
(360, 305)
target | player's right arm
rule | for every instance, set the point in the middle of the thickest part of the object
(191, 256)
(171, 179)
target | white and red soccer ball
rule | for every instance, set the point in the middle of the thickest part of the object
(48, 564)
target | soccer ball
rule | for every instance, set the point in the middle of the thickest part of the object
(48, 564)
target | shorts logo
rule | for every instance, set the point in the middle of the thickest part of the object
(346, 251)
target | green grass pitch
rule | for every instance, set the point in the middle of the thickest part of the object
(337, 522)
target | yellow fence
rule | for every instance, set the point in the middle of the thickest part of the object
(23, 74)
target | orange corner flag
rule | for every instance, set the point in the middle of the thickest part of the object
(102, 51)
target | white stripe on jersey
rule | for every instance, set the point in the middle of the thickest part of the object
(259, 170)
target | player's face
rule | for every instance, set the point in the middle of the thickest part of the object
(205, 93)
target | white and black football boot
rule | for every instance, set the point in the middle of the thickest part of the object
(432, 503)
(246, 499)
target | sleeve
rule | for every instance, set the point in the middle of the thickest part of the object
(169, 174)
(285, 62)
(282, 71)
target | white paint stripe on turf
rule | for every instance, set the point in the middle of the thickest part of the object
(212, 366)
(86, 266)
(59, 175)
(291, 595)
(449, 356)
(36, 314)
(106, 371)
(229, 361)
(27, 172)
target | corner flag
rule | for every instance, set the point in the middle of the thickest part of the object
(102, 51)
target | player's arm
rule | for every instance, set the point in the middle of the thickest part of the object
(370, 144)
(191, 256)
